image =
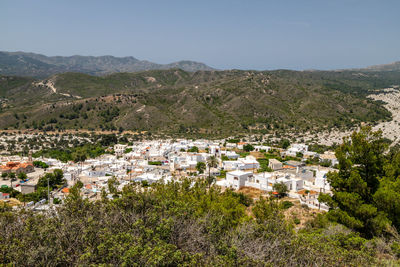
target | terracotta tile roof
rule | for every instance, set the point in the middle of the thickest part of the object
(288, 167)
(65, 190)
(15, 165)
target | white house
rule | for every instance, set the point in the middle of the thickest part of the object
(231, 155)
(292, 184)
(275, 164)
(249, 163)
(321, 181)
(262, 148)
(119, 149)
(237, 179)
(230, 165)
(262, 181)
(245, 164)
(329, 156)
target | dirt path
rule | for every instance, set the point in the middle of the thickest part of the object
(50, 84)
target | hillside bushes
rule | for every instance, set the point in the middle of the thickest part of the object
(175, 224)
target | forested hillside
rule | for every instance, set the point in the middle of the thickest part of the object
(204, 102)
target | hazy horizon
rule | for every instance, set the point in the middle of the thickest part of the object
(224, 35)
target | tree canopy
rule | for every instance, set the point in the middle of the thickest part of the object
(180, 223)
(365, 189)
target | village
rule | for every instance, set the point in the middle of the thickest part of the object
(294, 171)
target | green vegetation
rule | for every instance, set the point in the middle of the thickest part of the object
(264, 165)
(49, 180)
(76, 154)
(366, 190)
(177, 224)
(248, 147)
(286, 204)
(281, 188)
(194, 149)
(217, 103)
(40, 164)
(128, 150)
(158, 163)
(200, 167)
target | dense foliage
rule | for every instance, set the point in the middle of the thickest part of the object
(182, 224)
(366, 191)
(76, 154)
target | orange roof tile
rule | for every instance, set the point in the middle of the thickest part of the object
(65, 190)
(288, 167)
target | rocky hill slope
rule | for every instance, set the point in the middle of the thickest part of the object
(203, 102)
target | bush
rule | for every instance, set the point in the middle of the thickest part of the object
(286, 204)
(157, 163)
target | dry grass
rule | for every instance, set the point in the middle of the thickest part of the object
(257, 155)
(12, 202)
(297, 211)
(252, 192)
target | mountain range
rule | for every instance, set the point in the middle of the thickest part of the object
(109, 93)
(37, 65)
(395, 66)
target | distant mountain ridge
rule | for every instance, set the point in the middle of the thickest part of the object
(37, 65)
(395, 66)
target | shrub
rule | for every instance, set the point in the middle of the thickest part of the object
(286, 204)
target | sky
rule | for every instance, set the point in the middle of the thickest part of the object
(246, 34)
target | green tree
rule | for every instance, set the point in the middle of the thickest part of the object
(22, 176)
(113, 185)
(200, 167)
(281, 188)
(79, 156)
(361, 166)
(12, 178)
(248, 147)
(194, 149)
(212, 162)
(4, 175)
(285, 143)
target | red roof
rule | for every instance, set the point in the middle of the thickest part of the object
(15, 166)
(65, 190)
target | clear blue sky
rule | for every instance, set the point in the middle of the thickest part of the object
(246, 34)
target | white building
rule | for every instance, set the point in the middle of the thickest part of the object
(237, 179)
(119, 149)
